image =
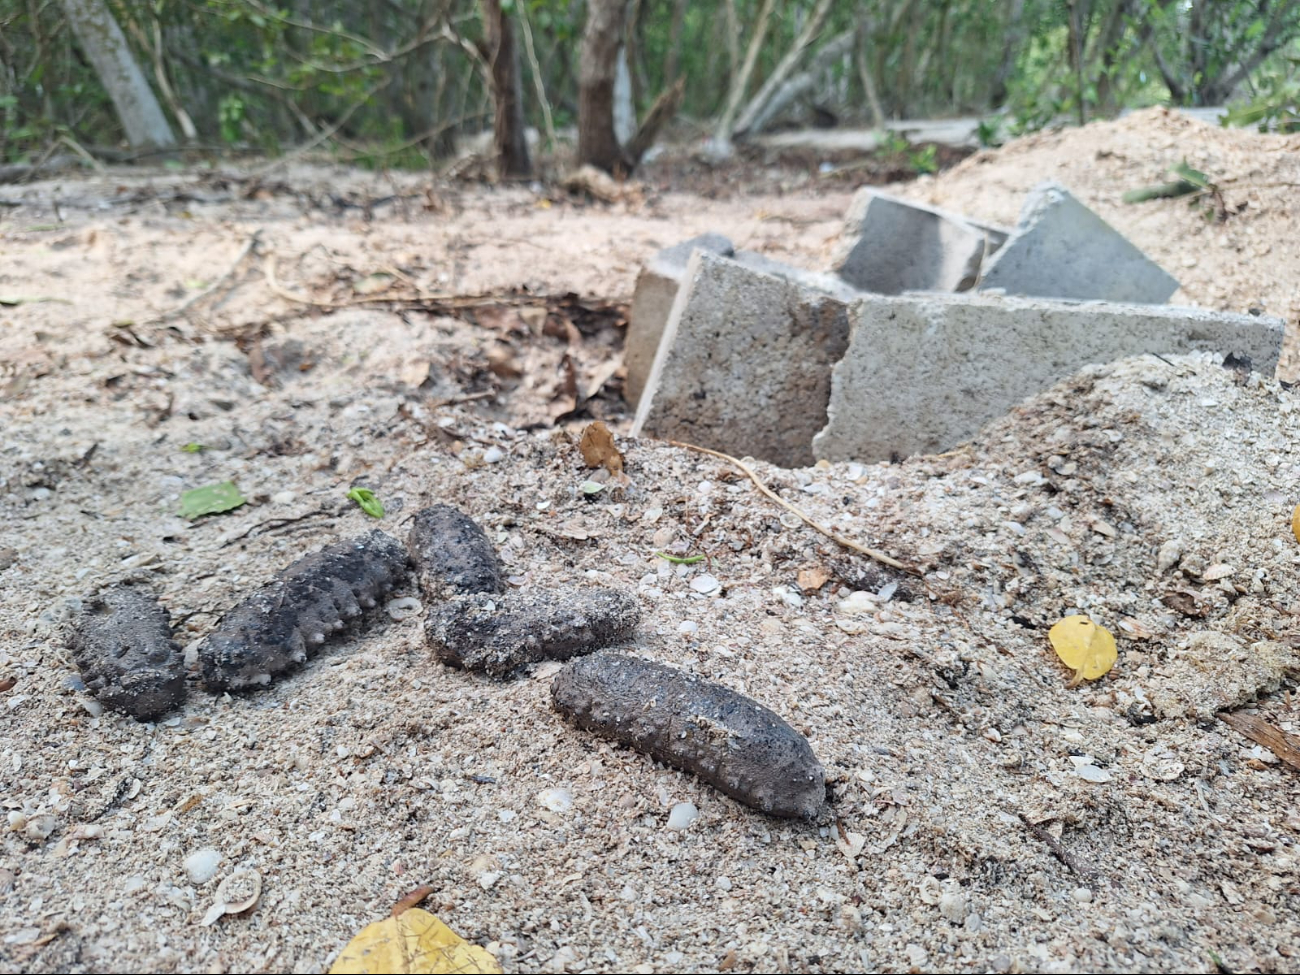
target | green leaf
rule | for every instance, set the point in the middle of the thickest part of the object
(210, 499)
(367, 501)
(194, 448)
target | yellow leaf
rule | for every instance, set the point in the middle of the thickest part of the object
(1084, 647)
(1295, 523)
(413, 943)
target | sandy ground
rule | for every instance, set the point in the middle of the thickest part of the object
(990, 817)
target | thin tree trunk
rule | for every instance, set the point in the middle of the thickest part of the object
(758, 104)
(510, 140)
(597, 144)
(674, 56)
(758, 115)
(739, 83)
(105, 47)
(868, 80)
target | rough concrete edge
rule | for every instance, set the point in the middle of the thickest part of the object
(838, 370)
(1036, 201)
(961, 218)
(1273, 327)
(667, 338)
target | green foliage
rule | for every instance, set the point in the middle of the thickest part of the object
(230, 115)
(367, 502)
(389, 85)
(210, 499)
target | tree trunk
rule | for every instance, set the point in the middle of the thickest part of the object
(597, 144)
(510, 140)
(106, 48)
(673, 56)
(759, 114)
(740, 82)
(787, 64)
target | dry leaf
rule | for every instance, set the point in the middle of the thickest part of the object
(1295, 523)
(598, 448)
(414, 943)
(1084, 647)
(813, 578)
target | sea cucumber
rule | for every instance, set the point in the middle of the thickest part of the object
(122, 644)
(285, 621)
(728, 740)
(452, 555)
(499, 633)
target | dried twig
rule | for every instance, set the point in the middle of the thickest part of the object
(1061, 853)
(838, 539)
(221, 279)
(274, 524)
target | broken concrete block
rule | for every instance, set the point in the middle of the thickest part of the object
(1061, 249)
(892, 245)
(923, 373)
(744, 365)
(656, 287)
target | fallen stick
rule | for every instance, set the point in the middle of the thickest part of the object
(838, 539)
(221, 279)
(1058, 851)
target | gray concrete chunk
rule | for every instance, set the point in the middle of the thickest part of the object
(656, 287)
(744, 365)
(1061, 249)
(924, 373)
(892, 245)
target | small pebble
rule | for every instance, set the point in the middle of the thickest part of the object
(954, 906)
(403, 608)
(705, 584)
(858, 603)
(39, 828)
(1091, 773)
(284, 497)
(682, 815)
(201, 865)
(1082, 894)
(494, 455)
(688, 628)
(556, 800)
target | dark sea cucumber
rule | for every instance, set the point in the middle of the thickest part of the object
(285, 621)
(122, 644)
(728, 740)
(452, 554)
(498, 633)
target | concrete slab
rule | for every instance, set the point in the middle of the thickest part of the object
(1061, 249)
(656, 287)
(744, 365)
(891, 245)
(924, 373)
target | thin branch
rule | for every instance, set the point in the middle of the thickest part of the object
(194, 299)
(1061, 853)
(537, 77)
(838, 539)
